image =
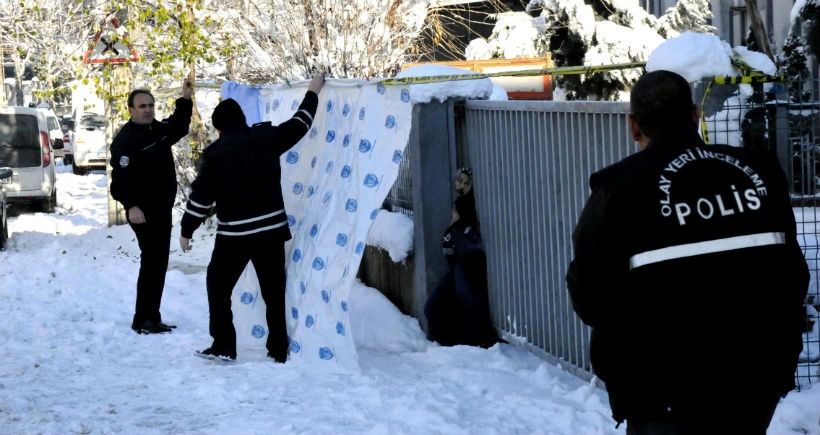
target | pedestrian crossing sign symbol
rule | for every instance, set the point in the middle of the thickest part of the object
(110, 45)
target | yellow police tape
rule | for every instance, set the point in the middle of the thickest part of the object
(751, 77)
(561, 70)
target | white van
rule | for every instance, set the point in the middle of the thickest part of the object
(25, 147)
(55, 132)
(88, 144)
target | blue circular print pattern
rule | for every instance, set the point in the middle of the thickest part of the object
(318, 263)
(325, 296)
(325, 353)
(346, 109)
(397, 155)
(346, 170)
(370, 180)
(298, 188)
(405, 95)
(351, 205)
(291, 220)
(246, 298)
(258, 331)
(295, 347)
(309, 321)
(297, 255)
(294, 312)
(390, 122)
(292, 157)
(340, 328)
(341, 239)
(365, 146)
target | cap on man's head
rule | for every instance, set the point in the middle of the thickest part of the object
(228, 114)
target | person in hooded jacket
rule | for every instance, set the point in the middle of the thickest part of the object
(240, 175)
(458, 309)
(688, 270)
(144, 181)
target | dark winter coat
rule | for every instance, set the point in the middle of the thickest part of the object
(240, 173)
(688, 269)
(142, 164)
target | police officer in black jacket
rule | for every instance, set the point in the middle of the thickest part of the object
(688, 269)
(240, 175)
(143, 180)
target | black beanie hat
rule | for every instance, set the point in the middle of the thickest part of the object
(228, 114)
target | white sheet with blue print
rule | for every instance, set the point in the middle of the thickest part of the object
(334, 182)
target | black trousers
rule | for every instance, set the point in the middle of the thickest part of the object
(740, 413)
(230, 256)
(154, 239)
(458, 309)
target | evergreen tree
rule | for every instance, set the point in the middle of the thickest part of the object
(686, 15)
(810, 15)
(605, 32)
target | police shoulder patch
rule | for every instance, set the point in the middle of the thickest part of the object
(124, 160)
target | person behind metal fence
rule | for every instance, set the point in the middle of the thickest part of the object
(458, 310)
(240, 175)
(144, 181)
(688, 270)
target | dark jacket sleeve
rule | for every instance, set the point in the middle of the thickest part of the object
(124, 169)
(179, 122)
(595, 271)
(201, 199)
(288, 133)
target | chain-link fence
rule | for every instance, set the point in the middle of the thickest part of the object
(782, 117)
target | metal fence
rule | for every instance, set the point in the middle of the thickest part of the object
(531, 163)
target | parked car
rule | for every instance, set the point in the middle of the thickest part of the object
(55, 132)
(67, 126)
(88, 146)
(5, 177)
(68, 155)
(25, 147)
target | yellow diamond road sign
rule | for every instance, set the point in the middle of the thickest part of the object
(110, 46)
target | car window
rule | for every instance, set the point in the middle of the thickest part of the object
(53, 124)
(19, 140)
(92, 121)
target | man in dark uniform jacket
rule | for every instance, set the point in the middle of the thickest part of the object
(240, 174)
(144, 181)
(688, 269)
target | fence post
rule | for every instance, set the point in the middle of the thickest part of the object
(429, 148)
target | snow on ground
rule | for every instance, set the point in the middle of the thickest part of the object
(71, 363)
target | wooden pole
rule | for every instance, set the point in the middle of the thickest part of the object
(758, 29)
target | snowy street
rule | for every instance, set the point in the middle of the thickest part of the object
(71, 363)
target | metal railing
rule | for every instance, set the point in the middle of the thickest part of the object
(531, 163)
